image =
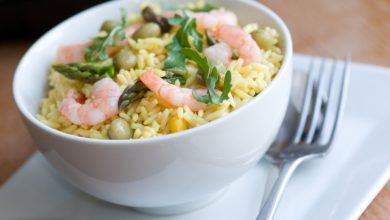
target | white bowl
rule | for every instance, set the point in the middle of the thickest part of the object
(167, 173)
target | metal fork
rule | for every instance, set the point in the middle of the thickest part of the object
(319, 117)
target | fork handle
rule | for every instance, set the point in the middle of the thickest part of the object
(286, 170)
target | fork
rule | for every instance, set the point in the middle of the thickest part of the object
(320, 114)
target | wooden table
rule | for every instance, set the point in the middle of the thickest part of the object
(321, 27)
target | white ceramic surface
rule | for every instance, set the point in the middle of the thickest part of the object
(157, 172)
(337, 187)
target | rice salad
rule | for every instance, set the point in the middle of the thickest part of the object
(158, 72)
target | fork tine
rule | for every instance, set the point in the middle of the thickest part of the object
(317, 105)
(306, 103)
(339, 101)
(331, 96)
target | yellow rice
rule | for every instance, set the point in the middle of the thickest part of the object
(147, 117)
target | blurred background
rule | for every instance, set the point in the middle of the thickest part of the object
(29, 19)
(318, 27)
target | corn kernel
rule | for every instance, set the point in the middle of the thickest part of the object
(177, 124)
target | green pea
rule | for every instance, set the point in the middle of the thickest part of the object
(147, 30)
(124, 59)
(264, 39)
(108, 25)
(119, 129)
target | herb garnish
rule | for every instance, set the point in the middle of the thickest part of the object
(210, 77)
(100, 43)
(85, 72)
(187, 28)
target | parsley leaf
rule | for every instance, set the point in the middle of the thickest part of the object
(97, 51)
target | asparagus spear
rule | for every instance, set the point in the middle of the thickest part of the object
(132, 94)
(85, 72)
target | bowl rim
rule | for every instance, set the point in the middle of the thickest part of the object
(287, 58)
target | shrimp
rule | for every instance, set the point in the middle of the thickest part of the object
(74, 53)
(172, 95)
(213, 19)
(235, 37)
(219, 52)
(104, 104)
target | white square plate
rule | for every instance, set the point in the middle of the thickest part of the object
(339, 186)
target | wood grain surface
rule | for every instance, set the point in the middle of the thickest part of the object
(329, 27)
(318, 27)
